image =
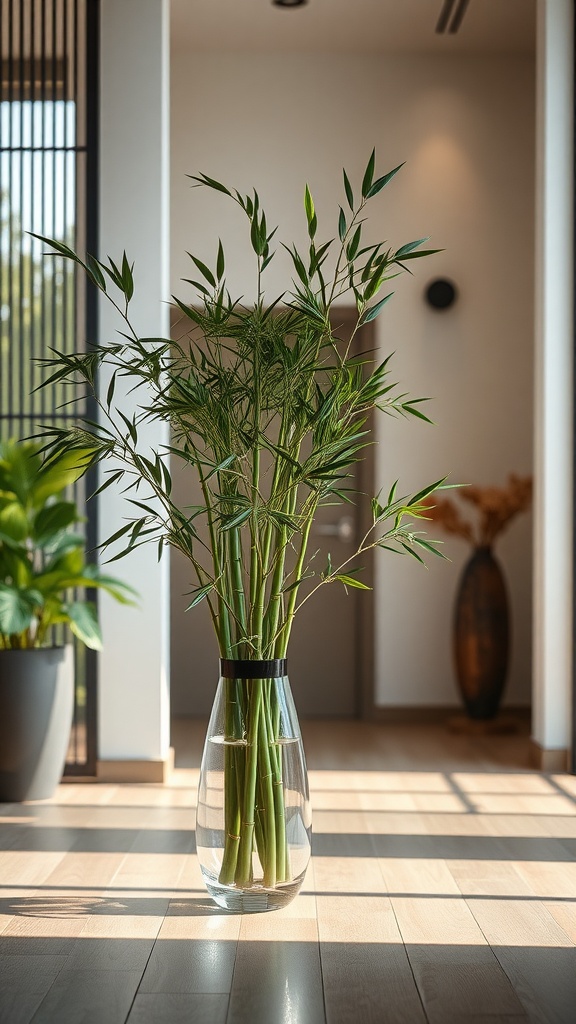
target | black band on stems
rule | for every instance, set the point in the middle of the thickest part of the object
(230, 669)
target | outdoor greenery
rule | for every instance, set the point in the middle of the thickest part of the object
(269, 407)
(37, 312)
(41, 557)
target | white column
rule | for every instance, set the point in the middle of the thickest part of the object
(134, 215)
(553, 374)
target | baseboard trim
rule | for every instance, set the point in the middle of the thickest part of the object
(434, 714)
(546, 759)
(135, 771)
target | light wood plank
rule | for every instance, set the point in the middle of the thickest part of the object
(366, 972)
(348, 875)
(536, 954)
(27, 868)
(417, 876)
(46, 926)
(565, 915)
(455, 969)
(88, 872)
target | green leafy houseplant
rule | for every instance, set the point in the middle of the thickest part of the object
(42, 559)
(269, 407)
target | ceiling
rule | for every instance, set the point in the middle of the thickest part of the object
(351, 26)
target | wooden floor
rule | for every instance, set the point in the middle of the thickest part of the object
(442, 890)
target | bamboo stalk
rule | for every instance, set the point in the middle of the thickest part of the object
(243, 875)
(269, 809)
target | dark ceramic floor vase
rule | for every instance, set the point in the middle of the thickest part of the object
(36, 705)
(481, 634)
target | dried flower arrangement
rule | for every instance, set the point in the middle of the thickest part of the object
(496, 507)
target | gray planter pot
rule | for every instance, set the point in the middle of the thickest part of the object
(36, 705)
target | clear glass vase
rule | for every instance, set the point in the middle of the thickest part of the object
(253, 823)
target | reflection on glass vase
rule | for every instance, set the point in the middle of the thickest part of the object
(253, 825)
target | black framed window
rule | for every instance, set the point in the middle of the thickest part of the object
(48, 185)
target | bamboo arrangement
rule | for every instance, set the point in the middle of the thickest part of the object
(268, 407)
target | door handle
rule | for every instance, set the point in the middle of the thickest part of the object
(343, 529)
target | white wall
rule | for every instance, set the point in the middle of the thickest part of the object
(554, 316)
(133, 697)
(466, 129)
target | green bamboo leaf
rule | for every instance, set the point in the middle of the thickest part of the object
(374, 284)
(204, 270)
(127, 278)
(430, 547)
(392, 493)
(220, 261)
(372, 313)
(414, 554)
(144, 507)
(386, 547)
(301, 579)
(189, 311)
(348, 190)
(383, 181)
(408, 407)
(308, 205)
(199, 595)
(110, 391)
(280, 519)
(258, 243)
(116, 536)
(113, 273)
(237, 520)
(353, 245)
(368, 175)
(425, 492)
(299, 265)
(417, 255)
(377, 510)
(349, 581)
(310, 211)
(196, 284)
(342, 225)
(91, 267)
(203, 179)
(404, 249)
(165, 475)
(225, 464)
(108, 483)
(94, 272)
(130, 425)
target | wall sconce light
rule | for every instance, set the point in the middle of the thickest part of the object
(289, 3)
(441, 293)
